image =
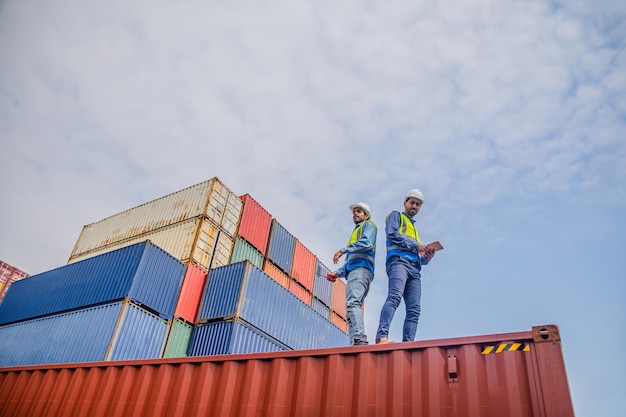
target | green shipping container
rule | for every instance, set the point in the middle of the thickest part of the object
(178, 339)
(243, 250)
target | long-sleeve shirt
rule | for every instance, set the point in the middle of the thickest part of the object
(404, 242)
(364, 244)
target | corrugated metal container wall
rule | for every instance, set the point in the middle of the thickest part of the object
(243, 250)
(191, 293)
(300, 292)
(338, 302)
(142, 272)
(205, 199)
(322, 309)
(255, 223)
(178, 339)
(141, 335)
(192, 240)
(232, 214)
(276, 274)
(118, 330)
(435, 378)
(231, 336)
(280, 247)
(223, 250)
(60, 338)
(340, 322)
(243, 291)
(304, 264)
(323, 288)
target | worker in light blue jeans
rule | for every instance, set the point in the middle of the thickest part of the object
(404, 282)
(405, 257)
(358, 270)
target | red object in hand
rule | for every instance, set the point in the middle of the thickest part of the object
(331, 277)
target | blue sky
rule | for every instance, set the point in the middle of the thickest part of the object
(509, 115)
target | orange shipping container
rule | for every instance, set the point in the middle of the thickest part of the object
(303, 267)
(339, 321)
(255, 223)
(276, 273)
(436, 378)
(300, 292)
(338, 300)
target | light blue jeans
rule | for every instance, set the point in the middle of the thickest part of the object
(404, 282)
(358, 285)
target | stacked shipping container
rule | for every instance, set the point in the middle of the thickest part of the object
(197, 225)
(284, 258)
(243, 292)
(114, 306)
(205, 227)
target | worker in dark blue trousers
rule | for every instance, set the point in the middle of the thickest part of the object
(405, 258)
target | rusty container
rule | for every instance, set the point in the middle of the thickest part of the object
(518, 374)
(210, 200)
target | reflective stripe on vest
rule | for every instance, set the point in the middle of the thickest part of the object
(356, 235)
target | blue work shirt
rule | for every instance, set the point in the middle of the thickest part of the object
(408, 245)
(364, 244)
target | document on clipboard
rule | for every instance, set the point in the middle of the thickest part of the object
(435, 245)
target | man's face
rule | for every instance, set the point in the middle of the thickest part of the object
(412, 206)
(358, 215)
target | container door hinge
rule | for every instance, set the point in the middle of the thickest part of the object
(453, 369)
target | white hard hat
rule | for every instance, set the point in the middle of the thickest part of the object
(363, 206)
(415, 193)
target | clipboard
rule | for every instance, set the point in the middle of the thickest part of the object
(436, 245)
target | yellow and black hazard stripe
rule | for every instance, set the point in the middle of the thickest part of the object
(505, 347)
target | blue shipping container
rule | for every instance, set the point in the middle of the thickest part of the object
(241, 290)
(115, 331)
(142, 272)
(321, 308)
(322, 287)
(231, 336)
(281, 247)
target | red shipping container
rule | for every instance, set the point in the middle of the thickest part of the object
(338, 298)
(8, 275)
(276, 273)
(255, 223)
(191, 293)
(303, 267)
(300, 292)
(435, 378)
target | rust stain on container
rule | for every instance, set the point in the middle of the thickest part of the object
(437, 378)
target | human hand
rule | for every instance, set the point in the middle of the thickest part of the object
(429, 253)
(336, 256)
(332, 277)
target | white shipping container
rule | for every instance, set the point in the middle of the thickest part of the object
(232, 215)
(223, 250)
(190, 240)
(209, 198)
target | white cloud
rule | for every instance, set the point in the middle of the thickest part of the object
(501, 111)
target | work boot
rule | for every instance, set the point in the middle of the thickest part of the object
(382, 341)
(360, 343)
